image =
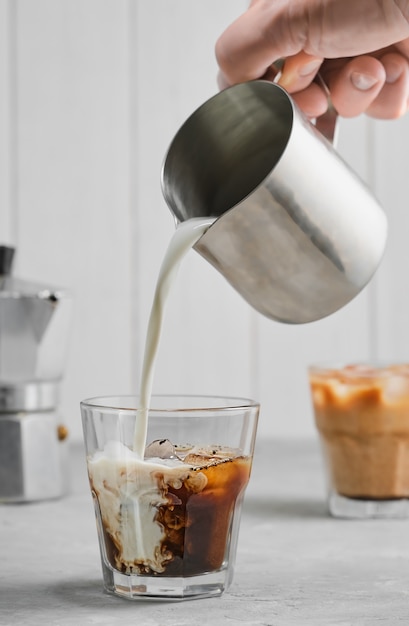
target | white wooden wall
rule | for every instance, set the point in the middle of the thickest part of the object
(91, 94)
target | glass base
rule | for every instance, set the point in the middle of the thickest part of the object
(355, 508)
(135, 587)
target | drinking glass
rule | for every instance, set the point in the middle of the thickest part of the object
(362, 416)
(168, 523)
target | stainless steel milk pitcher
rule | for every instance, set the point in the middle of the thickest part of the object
(298, 234)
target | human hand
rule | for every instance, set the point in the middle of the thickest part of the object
(360, 48)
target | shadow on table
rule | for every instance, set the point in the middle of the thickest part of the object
(87, 593)
(84, 596)
(43, 598)
(285, 507)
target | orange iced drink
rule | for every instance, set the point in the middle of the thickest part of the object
(362, 415)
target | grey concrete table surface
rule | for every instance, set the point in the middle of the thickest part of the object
(295, 564)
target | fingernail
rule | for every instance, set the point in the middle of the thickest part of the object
(287, 80)
(363, 82)
(393, 71)
(309, 68)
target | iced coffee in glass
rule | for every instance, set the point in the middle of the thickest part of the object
(362, 416)
(168, 522)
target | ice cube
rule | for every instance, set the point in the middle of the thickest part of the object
(396, 388)
(160, 449)
(198, 460)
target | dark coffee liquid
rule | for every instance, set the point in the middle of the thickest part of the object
(196, 520)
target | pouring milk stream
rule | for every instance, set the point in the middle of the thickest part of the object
(184, 238)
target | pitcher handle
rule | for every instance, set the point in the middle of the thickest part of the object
(327, 124)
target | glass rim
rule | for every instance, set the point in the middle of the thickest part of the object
(114, 402)
(359, 370)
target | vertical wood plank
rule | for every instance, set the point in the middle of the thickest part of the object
(7, 123)
(391, 158)
(72, 141)
(205, 344)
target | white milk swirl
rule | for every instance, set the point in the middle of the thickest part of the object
(184, 238)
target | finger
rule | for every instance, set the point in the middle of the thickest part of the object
(392, 101)
(355, 85)
(299, 71)
(312, 101)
